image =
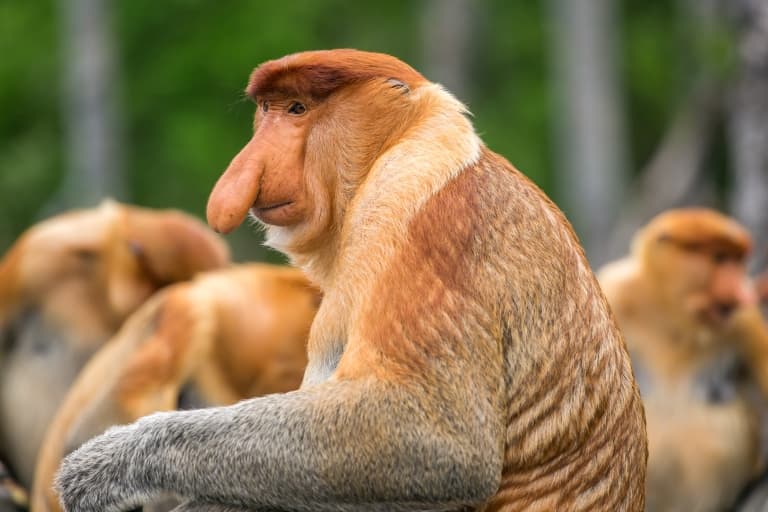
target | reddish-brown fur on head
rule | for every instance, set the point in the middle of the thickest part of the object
(699, 229)
(318, 74)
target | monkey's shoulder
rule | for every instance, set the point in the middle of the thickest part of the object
(620, 283)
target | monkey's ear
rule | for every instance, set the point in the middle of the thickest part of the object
(152, 249)
(173, 246)
(398, 84)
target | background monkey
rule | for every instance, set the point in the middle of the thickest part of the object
(65, 287)
(699, 348)
(225, 336)
(463, 356)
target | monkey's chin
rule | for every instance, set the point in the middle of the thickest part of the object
(282, 214)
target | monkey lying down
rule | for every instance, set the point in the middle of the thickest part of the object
(699, 347)
(66, 286)
(463, 357)
(223, 337)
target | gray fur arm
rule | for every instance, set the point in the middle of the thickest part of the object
(206, 507)
(336, 443)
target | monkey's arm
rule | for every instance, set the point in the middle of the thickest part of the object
(341, 442)
(206, 507)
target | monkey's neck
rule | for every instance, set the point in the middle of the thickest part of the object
(435, 150)
(377, 218)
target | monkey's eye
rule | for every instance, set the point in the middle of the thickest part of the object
(265, 105)
(720, 257)
(136, 248)
(86, 255)
(296, 108)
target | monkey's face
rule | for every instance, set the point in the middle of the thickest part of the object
(266, 177)
(317, 132)
(306, 157)
(694, 259)
(707, 281)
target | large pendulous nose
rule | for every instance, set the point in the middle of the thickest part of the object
(235, 191)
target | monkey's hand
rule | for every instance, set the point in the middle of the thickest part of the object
(96, 477)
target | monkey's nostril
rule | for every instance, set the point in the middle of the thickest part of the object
(724, 309)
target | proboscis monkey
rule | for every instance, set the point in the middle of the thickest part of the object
(65, 287)
(225, 336)
(699, 349)
(463, 357)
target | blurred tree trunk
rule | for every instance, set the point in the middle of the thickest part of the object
(675, 175)
(748, 123)
(447, 28)
(94, 157)
(592, 153)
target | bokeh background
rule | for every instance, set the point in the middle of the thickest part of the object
(618, 109)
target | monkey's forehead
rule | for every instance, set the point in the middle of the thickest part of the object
(700, 226)
(319, 73)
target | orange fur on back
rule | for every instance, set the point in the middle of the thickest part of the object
(226, 336)
(66, 285)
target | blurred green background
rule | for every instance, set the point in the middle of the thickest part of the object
(177, 69)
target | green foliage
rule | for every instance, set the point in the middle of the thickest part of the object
(511, 93)
(183, 65)
(30, 133)
(651, 66)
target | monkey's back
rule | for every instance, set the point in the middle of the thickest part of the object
(575, 431)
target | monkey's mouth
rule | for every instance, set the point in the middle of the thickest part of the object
(277, 214)
(258, 210)
(716, 315)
